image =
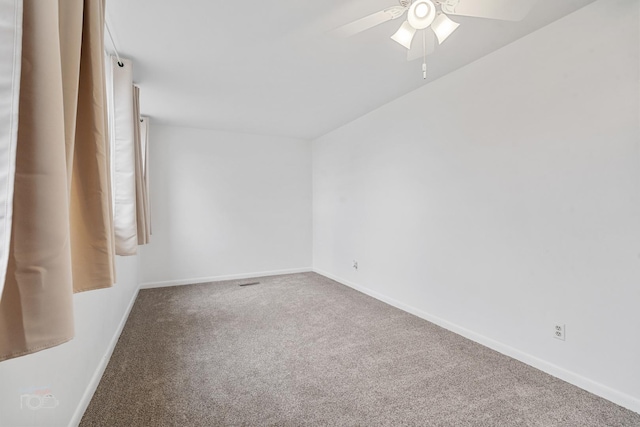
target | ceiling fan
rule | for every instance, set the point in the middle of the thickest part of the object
(433, 14)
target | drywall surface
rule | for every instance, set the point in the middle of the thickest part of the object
(225, 205)
(71, 371)
(505, 198)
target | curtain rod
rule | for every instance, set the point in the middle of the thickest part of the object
(115, 49)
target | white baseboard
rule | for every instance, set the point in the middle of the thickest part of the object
(195, 280)
(97, 375)
(587, 384)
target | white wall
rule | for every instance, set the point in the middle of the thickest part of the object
(70, 370)
(226, 205)
(505, 197)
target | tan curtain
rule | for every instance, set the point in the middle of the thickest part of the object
(142, 211)
(144, 139)
(87, 154)
(61, 198)
(36, 309)
(10, 55)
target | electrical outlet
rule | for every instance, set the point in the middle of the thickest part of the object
(559, 331)
(355, 264)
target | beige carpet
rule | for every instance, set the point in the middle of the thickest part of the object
(304, 350)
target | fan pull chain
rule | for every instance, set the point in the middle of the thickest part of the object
(424, 55)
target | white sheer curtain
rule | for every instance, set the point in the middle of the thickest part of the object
(120, 95)
(10, 62)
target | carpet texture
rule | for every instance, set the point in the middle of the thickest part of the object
(301, 349)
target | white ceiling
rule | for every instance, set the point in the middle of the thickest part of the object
(269, 67)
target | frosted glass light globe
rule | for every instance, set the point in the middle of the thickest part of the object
(421, 14)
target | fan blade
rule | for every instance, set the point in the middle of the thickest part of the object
(370, 21)
(416, 50)
(506, 10)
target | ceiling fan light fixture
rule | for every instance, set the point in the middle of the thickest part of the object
(421, 14)
(443, 27)
(404, 35)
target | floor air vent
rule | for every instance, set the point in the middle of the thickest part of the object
(250, 284)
